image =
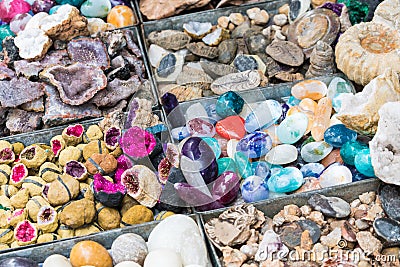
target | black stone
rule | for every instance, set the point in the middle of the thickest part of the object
(167, 65)
(291, 235)
(330, 206)
(313, 229)
(388, 230)
(390, 198)
(122, 73)
(243, 63)
(18, 262)
(256, 42)
(227, 51)
(295, 7)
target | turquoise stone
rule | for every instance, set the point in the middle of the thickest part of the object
(96, 9)
(312, 169)
(54, 9)
(254, 189)
(337, 135)
(293, 101)
(261, 169)
(286, 180)
(4, 32)
(363, 163)
(76, 3)
(292, 128)
(229, 104)
(226, 164)
(255, 145)
(213, 143)
(315, 151)
(275, 168)
(243, 165)
(338, 86)
(263, 116)
(349, 151)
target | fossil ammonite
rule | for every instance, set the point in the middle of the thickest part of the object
(388, 12)
(365, 50)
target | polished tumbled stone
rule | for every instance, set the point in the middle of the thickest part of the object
(286, 180)
(263, 116)
(337, 135)
(363, 163)
(255, 145)
(229, 104)
(292, 128)
(349, 151)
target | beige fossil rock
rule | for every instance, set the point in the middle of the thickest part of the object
(158, 9)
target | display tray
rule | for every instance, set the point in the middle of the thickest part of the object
(348, 192)
(176, 23)
(63, 247)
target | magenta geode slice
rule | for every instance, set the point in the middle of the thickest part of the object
(89, 51)
(196, 149)
(123, 163)
(111, 137)
(18, 91)
(196, 198)
(77, 83)
(108, 193)
(137, 143)
(18, 173)
(6, 155)
(226, 187)
(76, 169)
(75, 130)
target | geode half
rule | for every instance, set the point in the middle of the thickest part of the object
(76, 83)
(18, 91)
(89, 51)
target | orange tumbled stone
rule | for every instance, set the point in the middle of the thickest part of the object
(121, 16)
(90, 253)
(322, 118)
(313, 89)
(333, 157)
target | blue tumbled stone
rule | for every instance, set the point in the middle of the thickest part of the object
(261, 169)
(255, 145)
(286, 180)
(312, 169)
(254, 189)
(229, 104)
(363, 163)
(349, 151)
(213, 116)
(157, 128)
(337, 135)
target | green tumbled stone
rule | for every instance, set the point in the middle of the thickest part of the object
(349, 151)
(243, 165)
(226, 164)
(363, 163)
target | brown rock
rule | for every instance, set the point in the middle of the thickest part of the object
(348, 232)
(90, 253)
(78, 213)
(306, 241)
(369, 243)
(138, 214)
(286, 52)
(334, 156)
(155, 10)
(101, 163)
(233, 257)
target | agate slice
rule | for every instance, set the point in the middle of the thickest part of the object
(318, 24)
(57, 112)
(89, 51)
(19, 91)
(365, 50)
(76, 83)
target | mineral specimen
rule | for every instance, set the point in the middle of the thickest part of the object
(32, 43)
(21, 121)
(89, 51)
(19, 91)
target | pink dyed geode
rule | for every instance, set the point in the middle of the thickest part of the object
(10, 8)
(137, 143)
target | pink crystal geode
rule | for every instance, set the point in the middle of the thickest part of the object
(137, 143)
(10, 8)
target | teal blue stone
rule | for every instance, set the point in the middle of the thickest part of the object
(226, 164)
(274, 168)
(96, 8)
(54, 9)
(363, 163)
(293, 101)
(5, 32)
(292, 128)
(337, 102)
(243, 165)
(229, 104)
(337, 135)
(213, 143)
(349, 151)
(286, 180)
(76, 3)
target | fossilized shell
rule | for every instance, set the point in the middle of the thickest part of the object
(169, 39)
(388, 13)
(89, 51)
(216, 70)
(197, 30)
(365, 50)
(155, 10)
(322, 60)
(385, 144)
(236, 82)
(32, 43)
(318, 24)
(65, 24)
(360, 111)
(57, 112)
(202, 50)
(76, 83)
(142, 184)
(191, 75)
(19, 91)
